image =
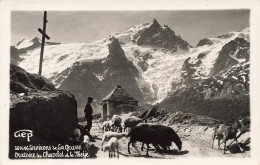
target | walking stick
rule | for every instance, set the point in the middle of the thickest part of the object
(98, 125)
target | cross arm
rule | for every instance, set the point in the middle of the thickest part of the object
(43, 33)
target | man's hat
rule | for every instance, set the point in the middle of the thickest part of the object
(90, 98)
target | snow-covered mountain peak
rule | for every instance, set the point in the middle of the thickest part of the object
(160, 60)
(116, 53)
(161, 37)
(28, 43)
(243, 33)
(129, 34)
(58, 58)
(36, 39)
(137, 28)
(223, 51)
(152, 34)
(24, 44)
(32, 44)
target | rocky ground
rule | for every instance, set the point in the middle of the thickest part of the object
(196, 142)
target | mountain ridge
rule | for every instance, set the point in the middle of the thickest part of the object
(155, 71)
(32, 44)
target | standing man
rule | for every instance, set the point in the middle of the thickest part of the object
(88, 115)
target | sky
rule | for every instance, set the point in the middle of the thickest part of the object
(87, 26)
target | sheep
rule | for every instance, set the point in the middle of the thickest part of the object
(146, 135)
(108, 135)
(130, 122)
(112, 147)
(112, 128)
(116, 121)
(106, 126)
(167, 132)
(76, 137)
(86, 145)
(226, 133)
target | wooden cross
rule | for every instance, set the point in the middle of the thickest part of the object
(44, 35)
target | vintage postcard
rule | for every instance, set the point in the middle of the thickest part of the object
(164, 83)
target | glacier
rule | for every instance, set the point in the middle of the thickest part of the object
(159, 69)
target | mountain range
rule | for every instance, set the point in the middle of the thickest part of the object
(152, 64)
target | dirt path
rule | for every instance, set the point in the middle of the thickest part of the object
(191, 147)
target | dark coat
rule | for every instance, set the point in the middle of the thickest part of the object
(88, 111)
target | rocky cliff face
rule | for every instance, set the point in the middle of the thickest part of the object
(144, 59)
(98, 78)
(36, 105)
(205, 41)
(164, 37)
(233, 50)
(136, 67)
(223, 96)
